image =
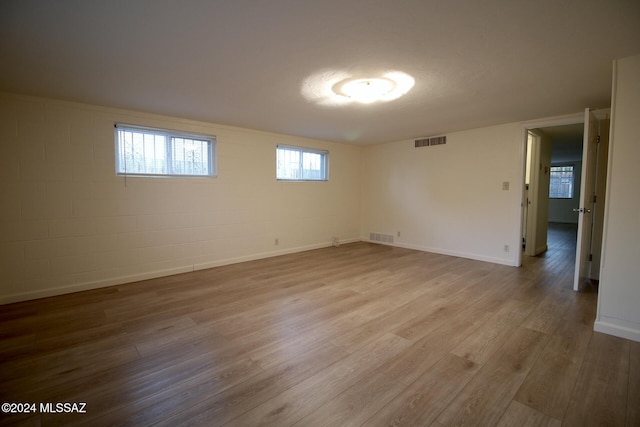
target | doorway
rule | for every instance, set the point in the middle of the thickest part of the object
(554, 152)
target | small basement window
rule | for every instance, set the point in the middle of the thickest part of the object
(146, 151)
(301, 164)
(561, 182)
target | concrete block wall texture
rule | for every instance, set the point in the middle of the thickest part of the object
(68, 222)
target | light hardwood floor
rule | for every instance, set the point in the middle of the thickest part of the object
(362, 334)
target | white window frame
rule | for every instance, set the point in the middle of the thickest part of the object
(169, 137)
(324, 174)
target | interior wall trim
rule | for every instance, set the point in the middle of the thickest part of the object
(114, 281)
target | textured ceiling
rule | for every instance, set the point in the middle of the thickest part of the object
(245, 62)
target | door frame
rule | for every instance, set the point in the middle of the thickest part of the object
(571, 119)
(530, 204)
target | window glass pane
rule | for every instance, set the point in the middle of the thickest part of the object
(189, 157)
(299, 164)
(561, 182)
(312, 166)
(288, 161)
(142, 151)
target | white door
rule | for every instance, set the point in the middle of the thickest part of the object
(587, 191)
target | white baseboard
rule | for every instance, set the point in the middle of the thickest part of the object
(617, 330)
(510, 263)
(253, 257)
(113, 281)
(87, 286)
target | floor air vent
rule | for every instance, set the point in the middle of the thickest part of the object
(426, 142)
(382, 238)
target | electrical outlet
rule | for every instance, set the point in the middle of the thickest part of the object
(505, 185)
(506, 248)
(276, 241)
(398, 234)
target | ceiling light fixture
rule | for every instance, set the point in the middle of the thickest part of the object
(333, 88)
(365, 91)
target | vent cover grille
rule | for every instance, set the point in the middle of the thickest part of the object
(426, 142)
(382, 238)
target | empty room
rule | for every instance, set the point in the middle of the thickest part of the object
(310, 213)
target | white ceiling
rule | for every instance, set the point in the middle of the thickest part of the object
(244, 62)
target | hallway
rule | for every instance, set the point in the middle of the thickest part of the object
(559, 258)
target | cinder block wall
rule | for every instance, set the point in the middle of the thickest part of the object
(68, 223)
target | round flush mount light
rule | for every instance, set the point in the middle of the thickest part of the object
(334, 87)
(365, 91)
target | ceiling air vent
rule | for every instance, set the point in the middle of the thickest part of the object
(426, 142)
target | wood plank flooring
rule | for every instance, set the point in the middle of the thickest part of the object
(362, 334)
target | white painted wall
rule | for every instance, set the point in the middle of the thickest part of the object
(619, 292)
(67, 222)
(449, 198)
